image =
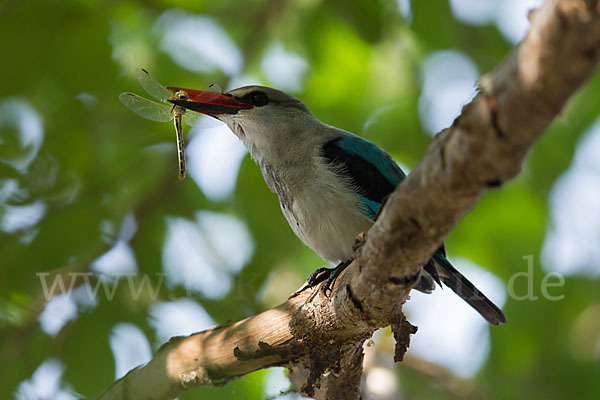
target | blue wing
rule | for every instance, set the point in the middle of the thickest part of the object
(374, 173)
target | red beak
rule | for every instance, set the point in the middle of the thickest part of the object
(209, 103)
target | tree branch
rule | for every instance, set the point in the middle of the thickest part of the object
(321, 339)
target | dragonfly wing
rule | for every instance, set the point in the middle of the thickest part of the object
(152, 86)
(191, 119)
(146, 108)
(200, 121)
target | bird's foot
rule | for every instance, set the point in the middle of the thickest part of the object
(329, 275)
(333, 275)
(316, 277)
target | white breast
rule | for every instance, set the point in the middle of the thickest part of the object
(321, 210)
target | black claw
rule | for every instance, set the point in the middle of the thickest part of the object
(333, 275)
(329, 275)
(316, 277)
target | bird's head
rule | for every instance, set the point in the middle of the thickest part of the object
(265, 119)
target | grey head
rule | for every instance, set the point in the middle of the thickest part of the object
(276, 123)
(272, 124)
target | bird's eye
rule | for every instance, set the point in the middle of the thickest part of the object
(259, 99)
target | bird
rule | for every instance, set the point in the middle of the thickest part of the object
(330, 183)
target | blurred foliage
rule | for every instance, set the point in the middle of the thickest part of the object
(98, 162)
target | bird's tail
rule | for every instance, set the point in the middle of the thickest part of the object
(467, 291)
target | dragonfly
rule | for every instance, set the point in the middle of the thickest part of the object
(165, 112)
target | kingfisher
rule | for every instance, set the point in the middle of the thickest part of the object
(330, 183)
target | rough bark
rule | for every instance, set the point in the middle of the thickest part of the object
(321, 339)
